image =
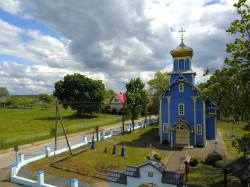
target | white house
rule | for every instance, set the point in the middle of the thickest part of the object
(117, 102)
(151, 171)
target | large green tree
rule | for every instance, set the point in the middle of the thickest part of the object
(109, 94)
(157, 85)
(4, 92)
(45, 98)
(137, 98)
(80, 93)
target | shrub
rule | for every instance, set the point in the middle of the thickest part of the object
(165, 142)
(157, 157)
(193, 162)
(199, 145)
(213, 157)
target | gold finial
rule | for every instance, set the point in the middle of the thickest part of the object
(182, 31)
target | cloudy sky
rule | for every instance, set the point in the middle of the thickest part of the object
(42, 40)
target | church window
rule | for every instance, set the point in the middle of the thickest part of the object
(165, 127)
(199, 129)
(181, 109)
(181, 87)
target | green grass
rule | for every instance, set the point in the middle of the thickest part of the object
(21, 126)
(227, 128)
(136, 148)
(207, 175)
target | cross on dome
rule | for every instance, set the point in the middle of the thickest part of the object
(182, 31)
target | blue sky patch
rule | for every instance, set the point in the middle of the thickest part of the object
(211, 2)
(15, 59)
(28, 24)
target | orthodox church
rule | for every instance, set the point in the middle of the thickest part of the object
(184, 119)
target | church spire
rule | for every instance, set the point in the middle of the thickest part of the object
(182, 31)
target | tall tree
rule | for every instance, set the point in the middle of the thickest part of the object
(45, 97)
(157, 85)
(137, 98)
(109, 94)
(4, 92)
(80, 93)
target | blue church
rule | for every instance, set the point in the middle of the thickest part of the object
(185, 119)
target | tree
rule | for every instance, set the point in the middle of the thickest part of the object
(4, 92)
(137, 98)
(157, 85)
(80, 93)
(45, 97)
(109, 94)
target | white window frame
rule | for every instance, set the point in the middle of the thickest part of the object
(199, 129)
(181, 87)
(181, 112)
(165, 127)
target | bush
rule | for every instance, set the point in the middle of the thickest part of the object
(193, 162)
(199, 145)
(165, 142)
(157, 157)
(213, 157)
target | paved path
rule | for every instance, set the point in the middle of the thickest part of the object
(175, 158)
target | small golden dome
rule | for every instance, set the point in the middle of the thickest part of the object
(182, 51)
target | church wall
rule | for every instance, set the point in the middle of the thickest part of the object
(210, 127)
(188, 76)
(164, 110)
(199, 120)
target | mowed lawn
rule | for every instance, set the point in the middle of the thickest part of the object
(21, 126)
(136, 149)
(226, 128)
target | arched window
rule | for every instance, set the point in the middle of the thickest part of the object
(181, 64)
(181, 109)
(181, 87)
(165, 127)
(199, 129)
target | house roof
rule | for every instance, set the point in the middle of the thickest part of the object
(171, 177)
(239, 167)
(122, 97)
(155, 163)
(117, 177)
(132, 171)
(182, 50)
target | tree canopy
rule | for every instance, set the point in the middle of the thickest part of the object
(80, 93)
(45, 97)
(109, 94)
(137, 98)
(4, 92)
(157, 85)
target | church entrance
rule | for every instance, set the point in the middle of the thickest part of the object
(180, 130)
(182, 137)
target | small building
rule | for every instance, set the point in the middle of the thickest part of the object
(150, 171)
(117, 103)
(185, 119)
(3, 100)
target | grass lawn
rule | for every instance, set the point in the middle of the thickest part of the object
(207, 175)
(227, 128)
(135, 147)
(21, 126)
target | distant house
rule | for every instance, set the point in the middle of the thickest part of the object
(3, 101)
(117, 102)
(106, 103)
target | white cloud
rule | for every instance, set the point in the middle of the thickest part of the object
(111, 40)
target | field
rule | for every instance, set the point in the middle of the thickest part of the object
(136, 148)
(226, 128)
(21, 126)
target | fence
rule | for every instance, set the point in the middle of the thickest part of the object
(31, 178)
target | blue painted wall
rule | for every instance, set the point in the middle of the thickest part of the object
(181, 64)
(174, 76)
(187, 64)
(175, 65)
(210, 121)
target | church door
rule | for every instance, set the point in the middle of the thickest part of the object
(182, 137)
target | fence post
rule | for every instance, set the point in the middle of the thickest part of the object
(47, 151)
(103, 135)
(13, 170)
(74, 183)
(99, 135)
(111, 132)
(21, 158)
(120, 129)
(40, 178)
(85, 139)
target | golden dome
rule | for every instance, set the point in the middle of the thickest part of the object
(182, 51)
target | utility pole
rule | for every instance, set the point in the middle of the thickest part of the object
(123, 120)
